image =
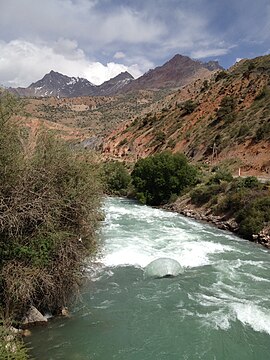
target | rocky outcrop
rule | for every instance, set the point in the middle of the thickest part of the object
(263, 237)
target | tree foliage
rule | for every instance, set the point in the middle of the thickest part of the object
(156, 178)
(116, 178)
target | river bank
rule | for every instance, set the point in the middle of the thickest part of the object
(227, 222)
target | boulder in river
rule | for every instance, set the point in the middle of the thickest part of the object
(34, 317)
(163, 267)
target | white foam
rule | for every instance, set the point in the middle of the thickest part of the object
(255, 316)
(217, 319)
(146, 234)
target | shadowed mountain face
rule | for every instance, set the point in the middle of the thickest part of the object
(177, 72)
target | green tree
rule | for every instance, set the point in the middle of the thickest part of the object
(116, 178)
(156, 178)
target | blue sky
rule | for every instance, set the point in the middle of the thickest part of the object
(97, 39)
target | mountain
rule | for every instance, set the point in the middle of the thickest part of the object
(178, 71)
(225, 118)
(56, 84)
(113, 86)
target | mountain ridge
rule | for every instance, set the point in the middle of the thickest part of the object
(174, 73)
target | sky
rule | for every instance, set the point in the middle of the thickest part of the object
(98, 39)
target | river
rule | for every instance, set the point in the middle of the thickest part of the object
(218, 309)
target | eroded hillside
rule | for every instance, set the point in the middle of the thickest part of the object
(225, 118)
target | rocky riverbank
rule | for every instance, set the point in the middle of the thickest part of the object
(184, 207)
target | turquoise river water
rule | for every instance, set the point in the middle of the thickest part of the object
(218, 309)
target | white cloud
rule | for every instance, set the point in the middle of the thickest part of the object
(237, 60)
(119, 55)
(204, 53)
(23, 62)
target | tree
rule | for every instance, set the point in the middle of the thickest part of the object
(156, 178)
(116, 178)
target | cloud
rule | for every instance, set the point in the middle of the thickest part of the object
(71, 36)
(237, 60)
(23, 62)
(205, 53)
(87, 20)
(119, 55)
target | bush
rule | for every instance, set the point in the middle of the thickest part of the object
(204, 193)
(226, 109)
(48, 220)
(11, 348)
(157, 177)
(219, 176)
(263, 132)
(221, 75)
(188, 106)
(250, 182)
(116, 178)
(253, 216)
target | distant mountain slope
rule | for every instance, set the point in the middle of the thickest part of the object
(225, 118)
(56, 84)
(178, 71)
(114, 85)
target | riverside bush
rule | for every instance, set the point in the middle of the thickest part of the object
(11, 348)
(48, 220)
(156, 178)
(204, 193)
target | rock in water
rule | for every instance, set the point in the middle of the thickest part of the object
(163, 267)
(34, 317)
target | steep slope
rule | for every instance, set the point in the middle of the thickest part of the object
(178, 71)
(226, 118)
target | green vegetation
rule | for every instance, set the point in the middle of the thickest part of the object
(156, 178)
(116, 178)
(11, 348)
(49, 201)
(226, 109)
(263, 132)
(188, 107)
(246, 199)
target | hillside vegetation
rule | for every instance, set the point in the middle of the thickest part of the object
(227, 117)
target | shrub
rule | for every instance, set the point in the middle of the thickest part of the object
(263, 132)
(48, 220)
(159, 176)
(221, 75)
(11, 348)
(219, 176)
(204, 193)
(160, 137)
(226, 109)
(250, 182)
(244, 130)
(188, 106)
(252, 217)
